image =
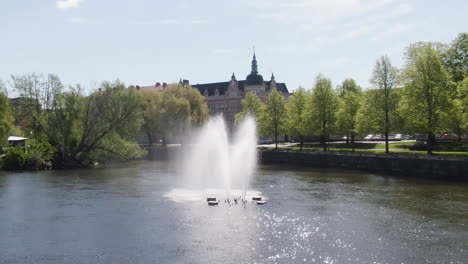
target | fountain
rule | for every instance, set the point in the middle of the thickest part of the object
(219, 166)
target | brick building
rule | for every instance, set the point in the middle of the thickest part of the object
(224, 98)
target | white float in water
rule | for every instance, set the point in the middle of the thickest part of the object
(261, 202)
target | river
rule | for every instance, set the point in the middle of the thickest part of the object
(123, 214)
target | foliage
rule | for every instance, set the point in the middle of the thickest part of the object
(36, 95)
(379, 111)
(320, 112)
(6, 118)
(251, 105)
(273, 118)
(349, 105)
(295, 109)
(33, 156)
(182, 107)
(455, 58)
(86, 129)
(427, 93)
(152, 125)
(348, 85)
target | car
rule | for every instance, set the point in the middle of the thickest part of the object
(262, 141)
(368, 137)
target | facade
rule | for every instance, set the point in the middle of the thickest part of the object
(224, 98)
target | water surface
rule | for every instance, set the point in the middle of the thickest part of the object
(123, 214)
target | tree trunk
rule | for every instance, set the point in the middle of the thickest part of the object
(150, 138)
(386, 141)
(347, 139)
(430, 142)
(276, 140)
(322, 139)
(302, 142)
(352, 142)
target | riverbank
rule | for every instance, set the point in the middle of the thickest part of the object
(454, 169)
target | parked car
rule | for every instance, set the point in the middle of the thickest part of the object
(368, 137)
(262, 141)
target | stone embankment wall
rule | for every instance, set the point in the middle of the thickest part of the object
(415, 166)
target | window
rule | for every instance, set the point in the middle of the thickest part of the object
(233, 93)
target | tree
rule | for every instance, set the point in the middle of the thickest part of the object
(152, 125)
(350, 103)
(251, 105)
(36, 94)
(98, 127)
(383, 104)
(295, 109)
(6, 119)
(427, 90)
(182, 107)
(455, 58)
(320, 112)
(273, 118)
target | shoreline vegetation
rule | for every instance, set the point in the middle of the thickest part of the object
(73, 127)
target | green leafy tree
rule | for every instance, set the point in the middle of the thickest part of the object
(152, 125)
(36, 95)
(428, 91)
(251, 105)
(98, 127)
(182, 107)
(6, 118)
(381, 110)
(320, 112)
(295, 109)
(350, 103)
(455, 58)
(272, 120)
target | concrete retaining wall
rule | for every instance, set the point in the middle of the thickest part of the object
(425, 167)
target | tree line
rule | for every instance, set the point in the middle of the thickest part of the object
(75, 129)
(429, 95)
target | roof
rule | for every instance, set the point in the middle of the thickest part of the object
(151, 88)
(222, 87)
(13, 138)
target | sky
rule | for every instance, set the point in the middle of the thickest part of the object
(142, 42)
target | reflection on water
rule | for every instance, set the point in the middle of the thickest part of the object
(127, 214)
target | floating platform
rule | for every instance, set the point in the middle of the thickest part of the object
(256, 198)
(261, 202)
(212, 203)
(210, 199)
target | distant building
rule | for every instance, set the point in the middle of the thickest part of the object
(16, 141)
(224, 98)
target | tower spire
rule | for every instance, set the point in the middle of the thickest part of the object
(254, 65)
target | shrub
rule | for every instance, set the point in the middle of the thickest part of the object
(34, 156)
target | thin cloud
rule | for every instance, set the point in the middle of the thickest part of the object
(222, 51)
(172, 22)
(81, 21)
(65, 4)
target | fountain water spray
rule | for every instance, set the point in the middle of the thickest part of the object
(214, 162)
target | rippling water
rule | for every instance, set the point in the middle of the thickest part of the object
(135, 213)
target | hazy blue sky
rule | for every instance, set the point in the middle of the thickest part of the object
(145, 41)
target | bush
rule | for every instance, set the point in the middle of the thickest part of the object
(35, 156)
